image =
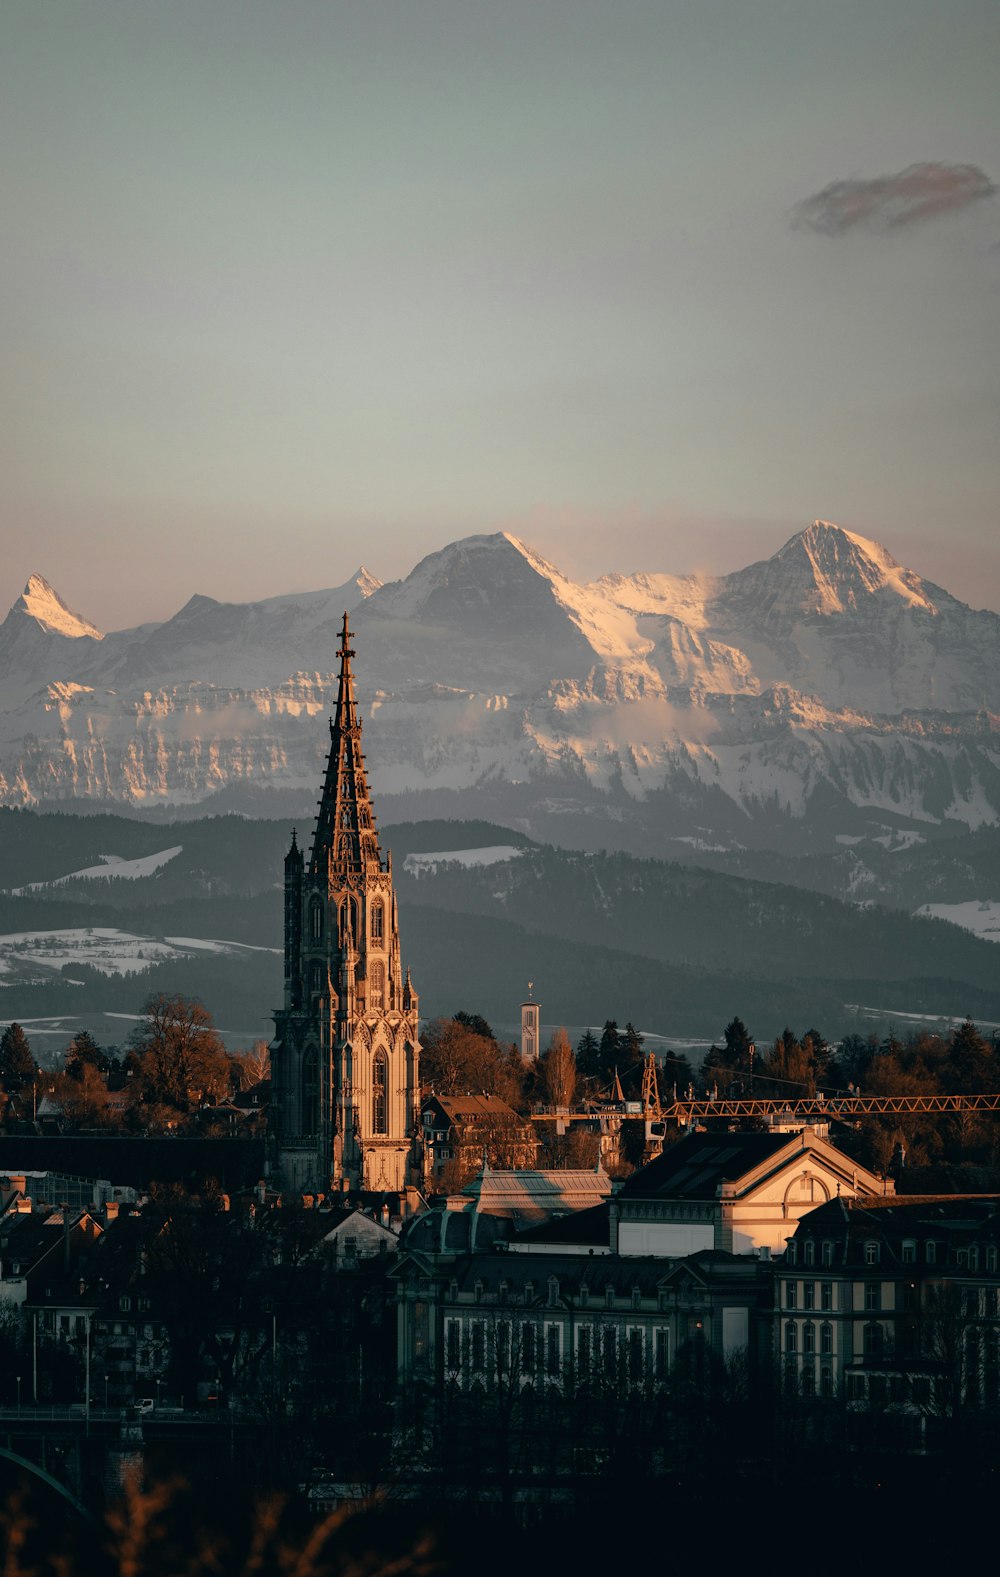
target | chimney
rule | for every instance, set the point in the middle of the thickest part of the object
(111, 1210)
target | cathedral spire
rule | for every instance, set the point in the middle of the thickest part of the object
(346, 842)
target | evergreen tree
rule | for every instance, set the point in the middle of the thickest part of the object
(630, 1046)
(17, 1065)
(588, 1052)
(610, 1049)
(84, 1052)
(972, 1063)
(738, 1041)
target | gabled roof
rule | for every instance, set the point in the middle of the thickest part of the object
(697, 1166)
(706, 1166)
(472, 1108)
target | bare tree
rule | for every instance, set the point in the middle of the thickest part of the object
(559, 1070)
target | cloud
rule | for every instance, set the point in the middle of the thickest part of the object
(920, 192)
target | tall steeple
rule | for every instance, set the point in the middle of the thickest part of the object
(345, 1058)
(346, 842)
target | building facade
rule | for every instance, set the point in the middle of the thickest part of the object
(346, 1055)
(893, 1305)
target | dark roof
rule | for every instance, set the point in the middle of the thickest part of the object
(581, 1226)
(454, 1231)
(694, 1168)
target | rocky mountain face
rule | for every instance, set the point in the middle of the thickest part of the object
(825, 680)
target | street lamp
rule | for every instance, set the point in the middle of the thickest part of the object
(18, 1396)
(158, 1385)
(106, 1378)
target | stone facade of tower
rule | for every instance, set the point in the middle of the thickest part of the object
(345, 1061)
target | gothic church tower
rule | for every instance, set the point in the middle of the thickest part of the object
(346, 1058)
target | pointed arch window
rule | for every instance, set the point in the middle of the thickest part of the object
(310, 1091)
(380, 1093)
(315, 976)
(316, 921)
(376, 986)
(378, 924)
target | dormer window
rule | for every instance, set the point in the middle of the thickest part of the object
(871, 1253)
(809, 1252)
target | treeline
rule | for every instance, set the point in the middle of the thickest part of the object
(170, 1077)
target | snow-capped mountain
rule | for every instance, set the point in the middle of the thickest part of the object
(826, 669)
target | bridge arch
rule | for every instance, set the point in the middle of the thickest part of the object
(53, 1483)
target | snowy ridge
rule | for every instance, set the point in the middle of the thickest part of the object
(40, 603)
(828, 664)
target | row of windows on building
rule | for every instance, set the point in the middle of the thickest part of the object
(972, 1257)
(586, 1296)
(976, 1303)
(526, 1348)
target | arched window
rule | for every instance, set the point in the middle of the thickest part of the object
(376, 986)
(315, 975)
(310, 1091)
(809, 1337)
(378, 924)
(380, 1093)
(316, 921)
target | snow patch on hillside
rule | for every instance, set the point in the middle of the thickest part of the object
(113, 866)
(104, 948)
(427, 864)
(980, 916)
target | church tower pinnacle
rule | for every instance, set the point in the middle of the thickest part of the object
(345, 1058)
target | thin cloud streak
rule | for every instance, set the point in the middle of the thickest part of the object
(892, 202)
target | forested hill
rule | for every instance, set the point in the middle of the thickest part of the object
(483, 909)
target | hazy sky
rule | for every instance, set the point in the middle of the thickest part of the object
(291, 285)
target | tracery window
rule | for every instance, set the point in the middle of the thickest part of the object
(378, 924)
(316, 921)
(380, 1093)
(376, 985)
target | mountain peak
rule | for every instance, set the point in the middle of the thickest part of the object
(829, 569)
(41, 603)
(365, 581)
